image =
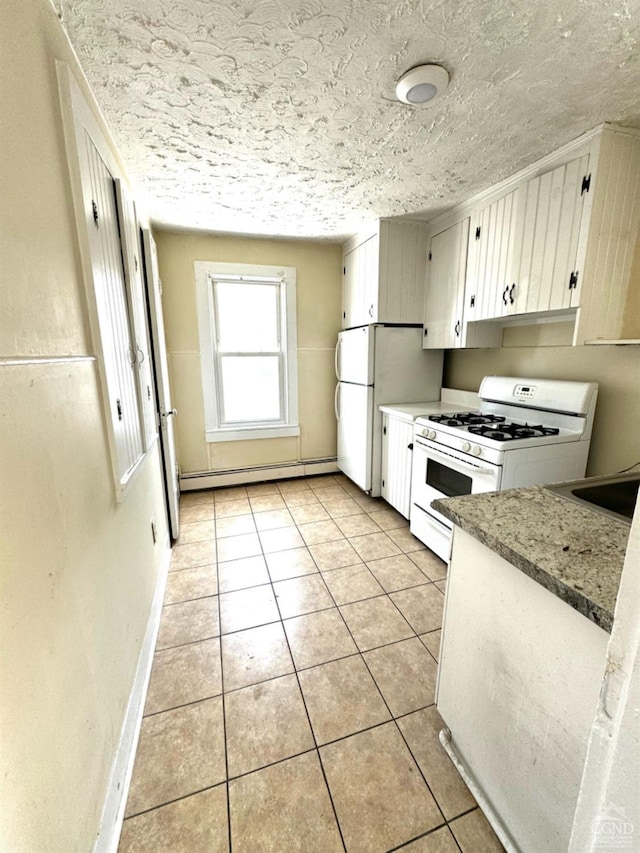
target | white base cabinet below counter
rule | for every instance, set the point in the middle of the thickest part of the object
(518, 683)
(397, 455)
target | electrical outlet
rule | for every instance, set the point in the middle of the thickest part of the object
(154, 530)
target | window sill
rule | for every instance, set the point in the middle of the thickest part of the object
(252, 433)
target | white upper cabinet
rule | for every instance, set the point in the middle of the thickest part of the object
(609, 257)
(545, 275)
(559, 239)
(360, 283)
(443, 320)
(524, 246)
(383, 275)
(491, 249)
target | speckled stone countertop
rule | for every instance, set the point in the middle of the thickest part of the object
(574, 552)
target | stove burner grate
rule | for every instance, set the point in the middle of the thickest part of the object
(465, 419)
(512, 432)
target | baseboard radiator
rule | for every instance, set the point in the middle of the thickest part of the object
(260, 474)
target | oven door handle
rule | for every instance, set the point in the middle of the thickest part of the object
(448, 458)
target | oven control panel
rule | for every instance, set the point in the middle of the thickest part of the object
(526, 391)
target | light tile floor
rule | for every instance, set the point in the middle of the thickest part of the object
(291, 701)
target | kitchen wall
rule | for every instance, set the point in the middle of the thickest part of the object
(77, 569)
(543, 351)
(319, 300)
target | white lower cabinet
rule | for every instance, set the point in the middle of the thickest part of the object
(518, 684)
(397, 453)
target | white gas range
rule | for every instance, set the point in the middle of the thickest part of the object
(526, 432)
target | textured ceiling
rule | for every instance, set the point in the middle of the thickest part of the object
(279, 118)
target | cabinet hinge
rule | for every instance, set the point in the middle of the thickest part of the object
(586, 183)
(384, 430)
(426, 332)
(573, 281)
(472, 302)
(478, 233)
(383, 482)
(344, 270)
(430, 255)
(94, 208)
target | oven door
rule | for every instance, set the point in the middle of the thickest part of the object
(441, 472)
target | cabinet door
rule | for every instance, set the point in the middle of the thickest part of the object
(360, 285)
(549, 221)
(397, 445)
(368, 268)
(491, 251)
(445, 290)
(352, 296)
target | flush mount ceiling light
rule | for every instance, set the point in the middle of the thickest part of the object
(422, 84)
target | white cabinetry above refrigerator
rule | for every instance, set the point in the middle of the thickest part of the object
(383, 274)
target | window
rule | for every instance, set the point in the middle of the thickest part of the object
(246, 316)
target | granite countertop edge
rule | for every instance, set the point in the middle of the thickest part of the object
(544, 567)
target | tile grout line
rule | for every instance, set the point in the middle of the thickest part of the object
(306, 710)
(224, 709)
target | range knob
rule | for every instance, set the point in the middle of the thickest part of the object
(425, 433)
(466, 446)
(476, 450)
(432, 433)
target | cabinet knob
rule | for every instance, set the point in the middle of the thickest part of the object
(410, 446)
(504, 295)
(458, 329)
(511, 292)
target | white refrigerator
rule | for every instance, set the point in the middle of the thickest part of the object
(377, 365)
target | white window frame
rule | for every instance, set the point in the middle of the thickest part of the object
(206, 272)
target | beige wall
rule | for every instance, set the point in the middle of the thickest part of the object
(77, 570)
(318, 297)
(541, 351)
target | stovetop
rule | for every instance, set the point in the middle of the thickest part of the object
(489, 434)
(515, 414)
(492, 426)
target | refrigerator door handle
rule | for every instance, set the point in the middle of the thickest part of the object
(335, 402)
(335, 360)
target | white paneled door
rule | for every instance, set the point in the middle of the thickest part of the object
(166, 412)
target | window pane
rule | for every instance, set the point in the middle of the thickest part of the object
(247, 317)
(251, 388)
